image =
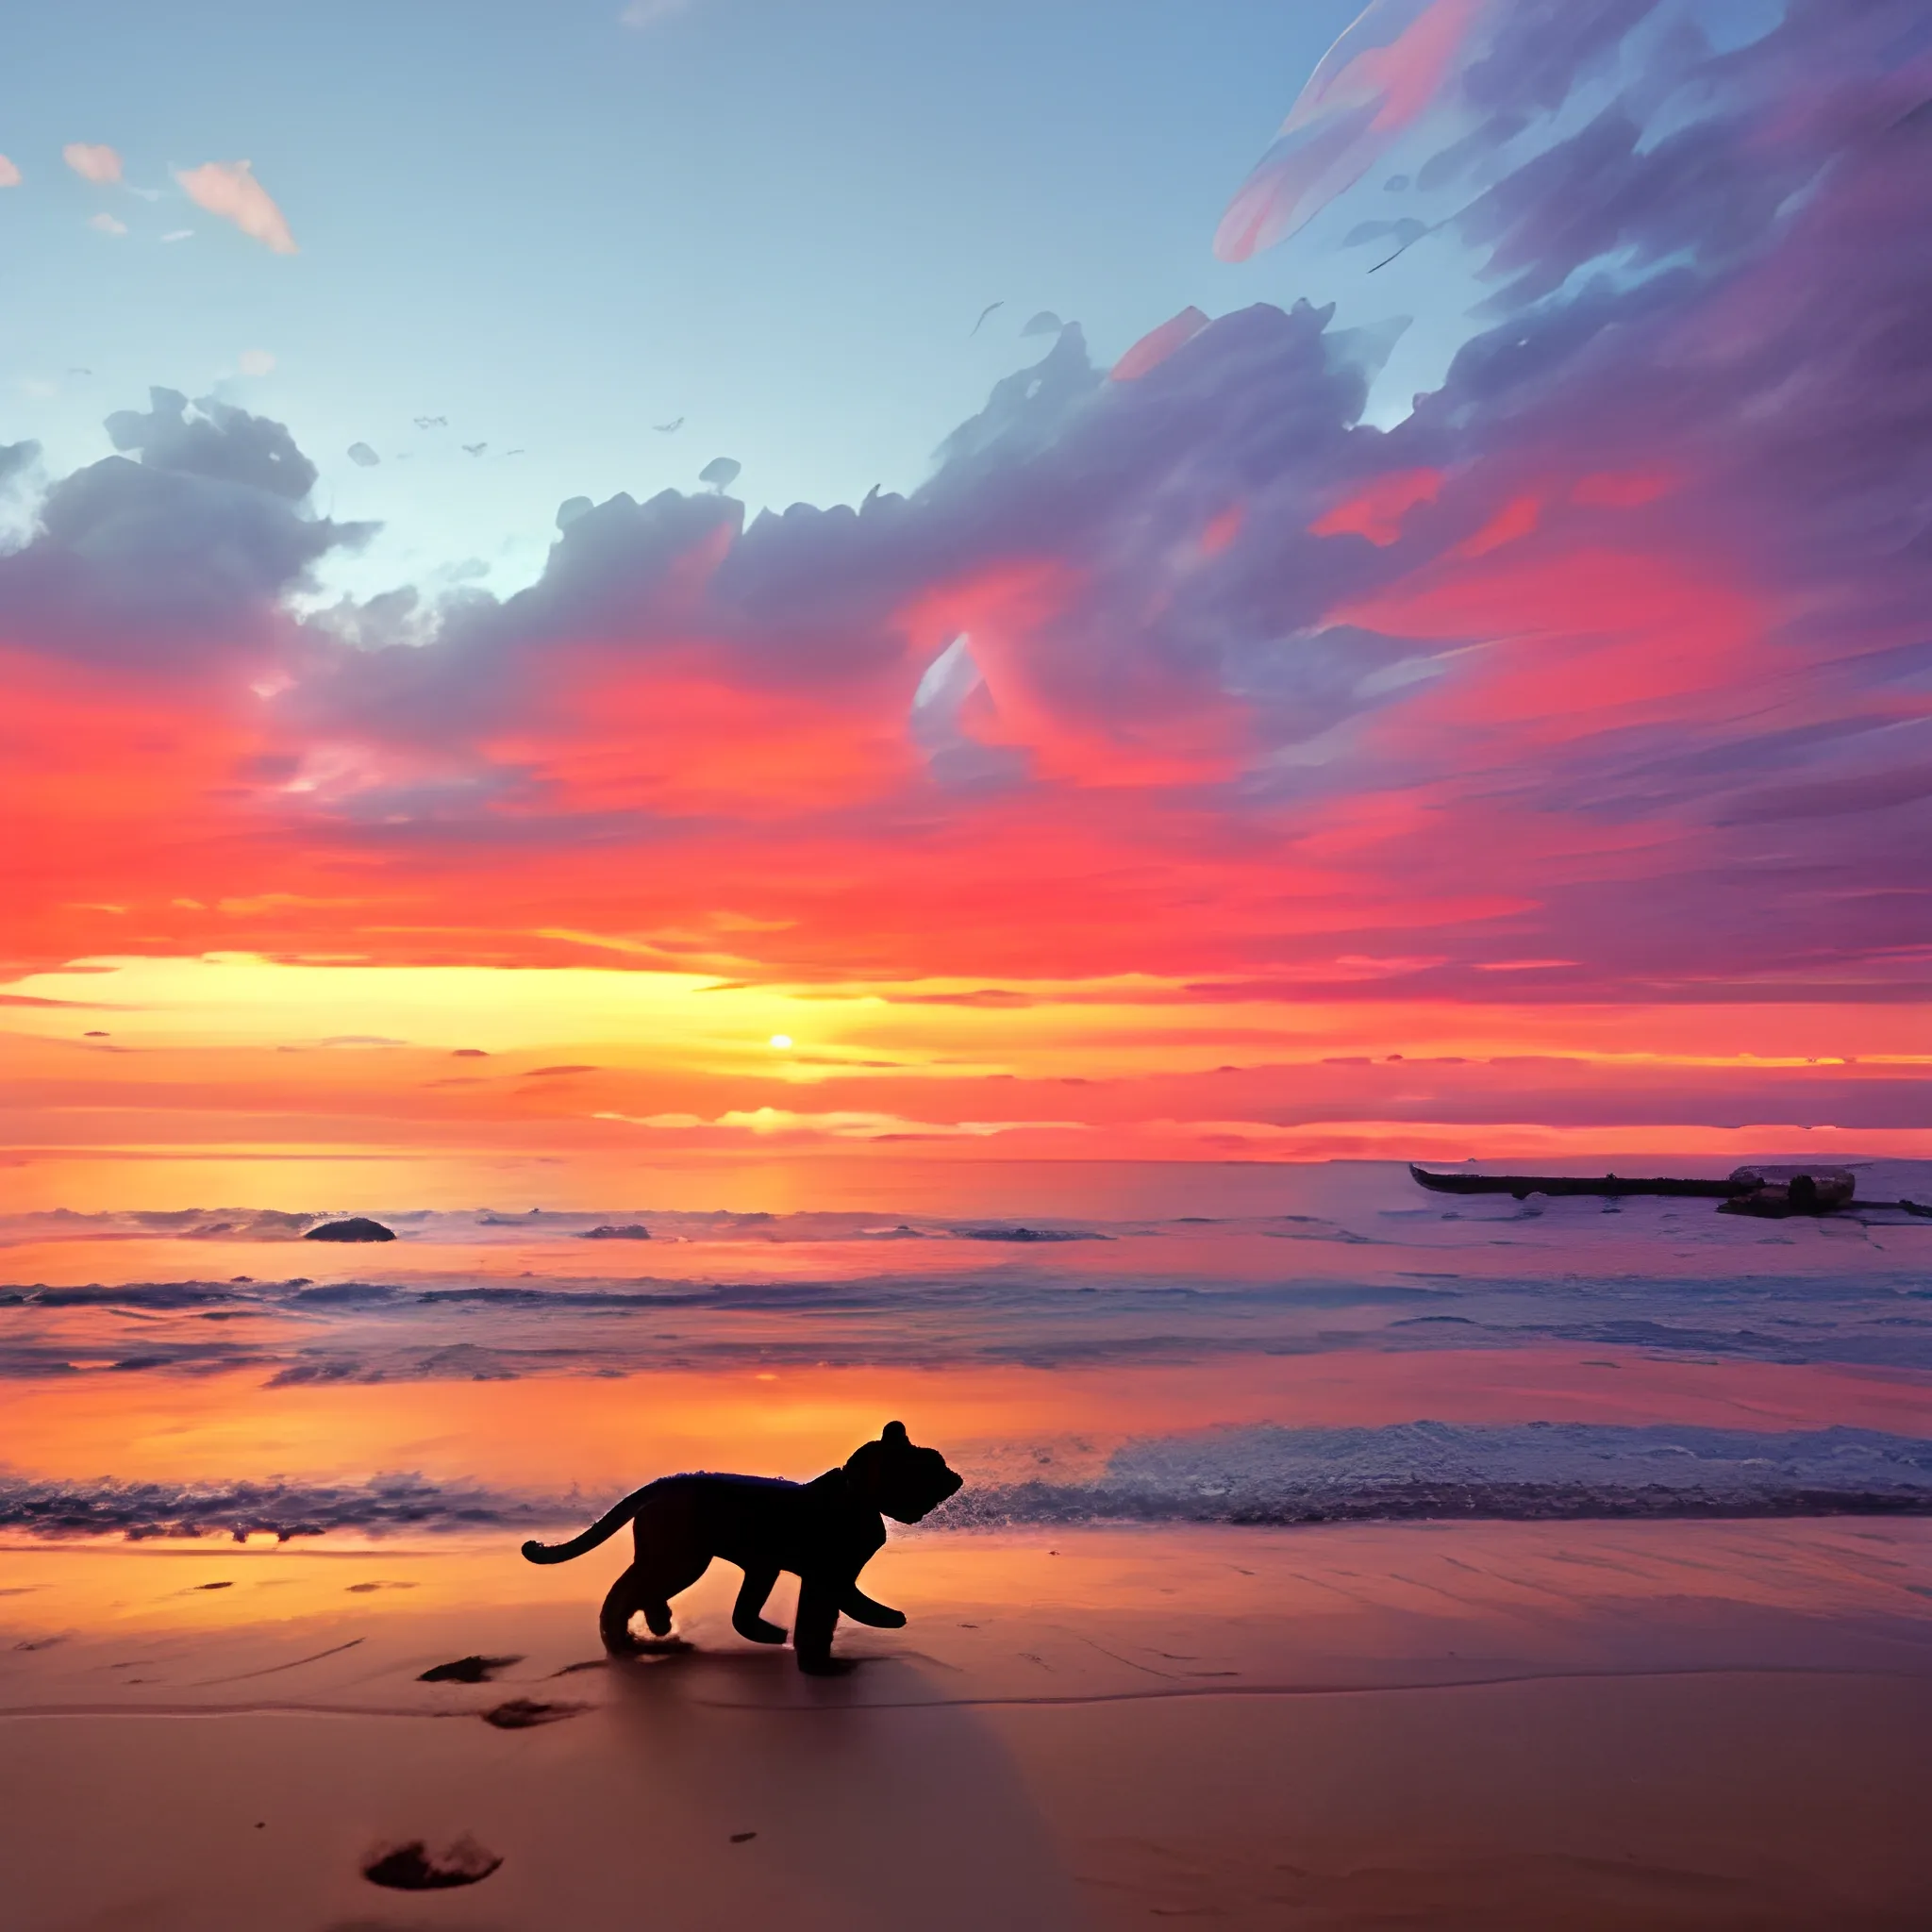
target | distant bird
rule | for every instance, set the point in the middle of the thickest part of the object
(513, 452)
(668, 429)
(79, 371)
(1398, 227)
(432, 422)
(720, 471)
(474, 449)
(983, 315)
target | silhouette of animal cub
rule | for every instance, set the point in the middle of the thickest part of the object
(824, 1532)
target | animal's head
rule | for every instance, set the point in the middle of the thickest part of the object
(898, 1477)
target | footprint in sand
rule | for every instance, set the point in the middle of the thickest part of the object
(468, 1670)
(414, 1868)
(525, 1713)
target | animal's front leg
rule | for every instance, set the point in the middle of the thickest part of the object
(819, 1597)
(758, 1579)
(862, 1610)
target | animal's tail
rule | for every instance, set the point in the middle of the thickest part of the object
(602, 1530)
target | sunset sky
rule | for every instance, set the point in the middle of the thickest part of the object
(1489, 717)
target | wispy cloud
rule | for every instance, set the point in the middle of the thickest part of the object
(107, 225)
(10, 174)
(648, 12)
(229, 190)
(92, 162)
(838, 1124)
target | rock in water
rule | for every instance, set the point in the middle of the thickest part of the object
(354, 1230)
(1028, 1233)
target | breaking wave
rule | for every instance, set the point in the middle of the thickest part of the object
(1345, 1257)
(1261, 1476)
(383, 1506)
(1416, 1470)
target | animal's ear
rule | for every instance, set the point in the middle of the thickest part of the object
(893, 1433)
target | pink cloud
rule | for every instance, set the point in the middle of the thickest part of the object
(1376, 510)
(1378, 80)
(93, 161)
(1156, 345)
(1516, 519)
(229, 189)
(10, 174)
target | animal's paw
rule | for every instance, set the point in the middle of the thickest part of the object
(861, 1609)
(756, 1630)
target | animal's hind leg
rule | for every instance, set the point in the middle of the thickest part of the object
(660, 1575)
(619, 1606)
(745, 1620)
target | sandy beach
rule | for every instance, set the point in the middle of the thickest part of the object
(1480, 1725)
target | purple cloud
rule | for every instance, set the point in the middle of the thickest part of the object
(1612, 651)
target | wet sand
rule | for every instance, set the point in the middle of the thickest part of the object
(1482, 1725)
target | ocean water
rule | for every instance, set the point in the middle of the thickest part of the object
(1299, 1344)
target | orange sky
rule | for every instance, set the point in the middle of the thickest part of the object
(571, 952)
(165, 1081)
